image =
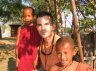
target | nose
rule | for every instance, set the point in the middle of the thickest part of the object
(27, 18)
(43, 27)
(63, 57)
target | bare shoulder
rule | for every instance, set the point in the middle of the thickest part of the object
(84, 67)
(19, 29)
(53, 68)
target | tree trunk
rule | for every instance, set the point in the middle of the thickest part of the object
(76, 29)
(48, 5)
(0, 32)
(58, 16)
(65, 23)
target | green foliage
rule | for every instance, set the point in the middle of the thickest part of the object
(69, 30)
(10, 10)
(39, 5)
(88, 11)
(42, 5)
(86, 7)
(87, 23)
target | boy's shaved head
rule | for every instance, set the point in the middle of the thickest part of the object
(30, 8)
(63, 40)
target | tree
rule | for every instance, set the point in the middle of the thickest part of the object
(53, 6)
(76, 28)
(88, 10)
(58, 16)
(10, 10)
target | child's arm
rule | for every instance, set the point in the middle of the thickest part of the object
(35, 63)
(17, 59)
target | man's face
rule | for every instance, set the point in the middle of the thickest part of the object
(27, 16)
(44, 26)
(65, 54)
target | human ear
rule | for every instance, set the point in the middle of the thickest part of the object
(74, 52)
(54, 26)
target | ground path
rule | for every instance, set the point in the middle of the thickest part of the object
(7, 54)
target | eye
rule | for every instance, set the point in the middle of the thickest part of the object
(28, 15)
(65, 53)
(46, 23)
(38, 25)
(58, 53)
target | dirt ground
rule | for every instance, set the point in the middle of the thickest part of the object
(7, 54)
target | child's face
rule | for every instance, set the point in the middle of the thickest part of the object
(27, 16)
(65, 54)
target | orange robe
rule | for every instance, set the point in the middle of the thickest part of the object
(76, 66)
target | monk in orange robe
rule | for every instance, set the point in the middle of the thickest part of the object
(65, 52)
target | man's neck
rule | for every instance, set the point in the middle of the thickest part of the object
(48, 40)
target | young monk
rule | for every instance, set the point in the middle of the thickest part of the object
(28, 40)
(65, 51)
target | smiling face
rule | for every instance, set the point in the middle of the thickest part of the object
(45, 26)
(27, 16)
(65, 52)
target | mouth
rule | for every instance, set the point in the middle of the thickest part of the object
(43, 32)
(27, 22)
(63, 62)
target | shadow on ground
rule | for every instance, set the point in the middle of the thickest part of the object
(11, 64)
